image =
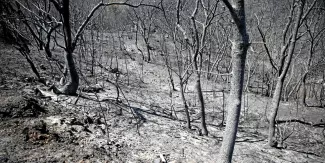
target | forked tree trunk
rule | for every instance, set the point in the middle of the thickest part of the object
(282, 74)
(198, 63)
(204, 130)
(239, 51)
(71, 85)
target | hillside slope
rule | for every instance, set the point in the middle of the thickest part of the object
(146, 121)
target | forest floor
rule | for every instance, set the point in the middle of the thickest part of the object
(145, 123)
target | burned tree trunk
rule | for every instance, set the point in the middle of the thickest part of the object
(71, 85)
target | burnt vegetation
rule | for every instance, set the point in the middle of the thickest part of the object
(162, 81)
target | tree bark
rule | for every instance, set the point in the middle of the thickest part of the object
(239, 51)
(304, 90)
(71, 86)
(282, 73)
(188, 118)
(274, 111)
(197, 60)
(148, 51)
(202, 106)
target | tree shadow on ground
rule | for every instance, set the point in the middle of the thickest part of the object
(248, 139)
(304, 152)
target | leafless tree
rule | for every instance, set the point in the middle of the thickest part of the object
(10, 22)
(240, 44)
(179, 48)
(199, 43)
(145, 26)
(70, 36)
(290, 35)
(315, 31)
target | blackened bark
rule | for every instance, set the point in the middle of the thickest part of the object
(71, 86)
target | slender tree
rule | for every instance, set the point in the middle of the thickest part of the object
(240, 44)
(287, 52)
(198, 47)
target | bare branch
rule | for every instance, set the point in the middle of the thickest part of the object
(293, 40)
(195, 31)
(102, 4)
(264, 44)
(285, 30)
(308, 11)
